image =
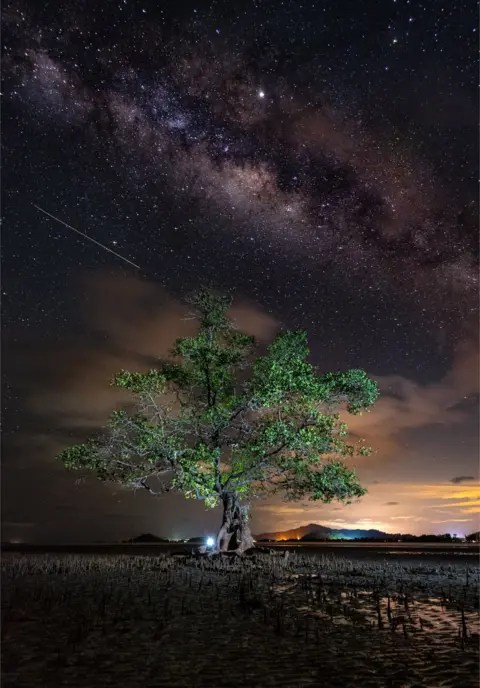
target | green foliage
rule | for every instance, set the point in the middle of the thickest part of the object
(333, 481)
(152, 382)
(210, 421)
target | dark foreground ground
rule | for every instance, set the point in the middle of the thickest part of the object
(131, 620)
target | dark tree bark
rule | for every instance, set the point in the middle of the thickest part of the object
(235, 534)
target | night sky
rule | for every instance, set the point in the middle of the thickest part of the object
(317, 159)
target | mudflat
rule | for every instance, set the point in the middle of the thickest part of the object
(266, 620)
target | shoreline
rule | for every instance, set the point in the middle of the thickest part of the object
(459, 555)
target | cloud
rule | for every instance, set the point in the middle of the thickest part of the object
(471, 510)
(420, 504)
(405, 405)
(129, 323)
(18, 524)
(445, 498)
(461, 500)
(360, 524)
(284, 509)
(424, 509)
(145, 320)
(461, 479)
(65, 396)
(444, 492)
(467, 502)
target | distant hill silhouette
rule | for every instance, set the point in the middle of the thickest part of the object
(314, 531)
(147, 537)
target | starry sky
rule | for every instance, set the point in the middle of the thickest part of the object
(319, 160)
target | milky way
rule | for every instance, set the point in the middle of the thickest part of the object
(199, 121)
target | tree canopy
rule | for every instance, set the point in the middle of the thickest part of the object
(212, 420)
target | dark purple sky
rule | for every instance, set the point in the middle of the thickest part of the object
(319, 159)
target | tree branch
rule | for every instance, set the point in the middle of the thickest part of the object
(142, 483)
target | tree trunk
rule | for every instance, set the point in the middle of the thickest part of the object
(235, 534)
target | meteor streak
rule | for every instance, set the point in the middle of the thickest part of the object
(86, 236)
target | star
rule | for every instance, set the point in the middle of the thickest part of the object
(261, 94)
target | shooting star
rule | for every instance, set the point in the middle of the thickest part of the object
(86, 236)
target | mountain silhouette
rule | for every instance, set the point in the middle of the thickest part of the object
(147, 537)
(314, 530)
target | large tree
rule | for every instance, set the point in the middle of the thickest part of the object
(219, 425)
